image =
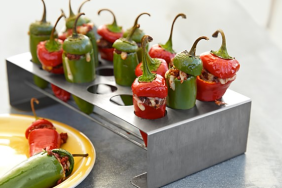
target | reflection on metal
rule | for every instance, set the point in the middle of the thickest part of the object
(140, 181)
(182, 142)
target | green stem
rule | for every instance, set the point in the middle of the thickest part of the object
(32, 100)
(80, 155)
(168, 44)
(43, 20)
(79, 9)
(70, 9)
(147, 76)
(132, 31)
(112, 27)
(54, 28)
(193, 49)
(136, 20)
(75, 23)
(222, 52)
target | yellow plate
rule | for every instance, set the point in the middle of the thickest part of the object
(14, 147)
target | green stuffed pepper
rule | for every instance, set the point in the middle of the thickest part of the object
(78, 63)
(43, 170)
(84, 26)
(181, 78)
(125, 59)
(39, 31)
(137, 36)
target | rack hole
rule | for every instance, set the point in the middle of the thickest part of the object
(105, 72)
(122, 100)
(101, 89)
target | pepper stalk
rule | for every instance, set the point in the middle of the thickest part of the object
(112, 27)
(147, 76)
(222, 52)
(32, 106)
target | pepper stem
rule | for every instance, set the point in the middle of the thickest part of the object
(222, 52)
(112, 27)
(80, 155)
(168, 44)
(54, 28)
(70, 9)
(75, 23)
(193, 49)
(79, 9)
(147, 76)
(132, 31)
(43, 20)
(136, 20)
(32, 100)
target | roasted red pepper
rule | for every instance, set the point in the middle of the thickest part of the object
(109, 34)
(60, 93)
(166, 51)
(42, 134)
(219, 70)
(149, 91)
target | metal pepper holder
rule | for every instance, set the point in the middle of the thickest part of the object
(179, 144)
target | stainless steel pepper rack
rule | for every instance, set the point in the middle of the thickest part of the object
(179, 144)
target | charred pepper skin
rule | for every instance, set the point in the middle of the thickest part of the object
(39, 171)
(125, 62)
(80, 70)
(109, 32)
(165, 51)
(222, 66)
(137, 36)
(183, 95)
(39, 31)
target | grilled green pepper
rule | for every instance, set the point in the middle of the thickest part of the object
(84, 27)
(181, 78)
(137, 36)
(42, 170)
(125, 59)
(39, 31)
(78, 62)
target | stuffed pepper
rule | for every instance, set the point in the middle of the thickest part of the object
(84, 26)
(43, 170)
(78, 62)
(42, 134)
(219, 70)
(156, 65)
(165, 51)
(137, 36)
(109, 34)
(49, 53)
(181, 78)
(39, 31)
(149, 91)
(125, 59)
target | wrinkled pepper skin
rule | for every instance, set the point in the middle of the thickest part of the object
(80, 70)
(221, 66)
(184, 95)
(39, 171)
(124, 69)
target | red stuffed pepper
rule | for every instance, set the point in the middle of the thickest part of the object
(219, 70)
(149, 91)
(109, 34)
(42, 134)
(166, 51)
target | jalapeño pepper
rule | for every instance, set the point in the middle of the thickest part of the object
(125, 59)
(109, 34)
(43, 170)
(137, 36)
(181, 78)
(39, 31)
(219, 70)
(165, 51)
(149, 91)
(84, 26)
(78, 62)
